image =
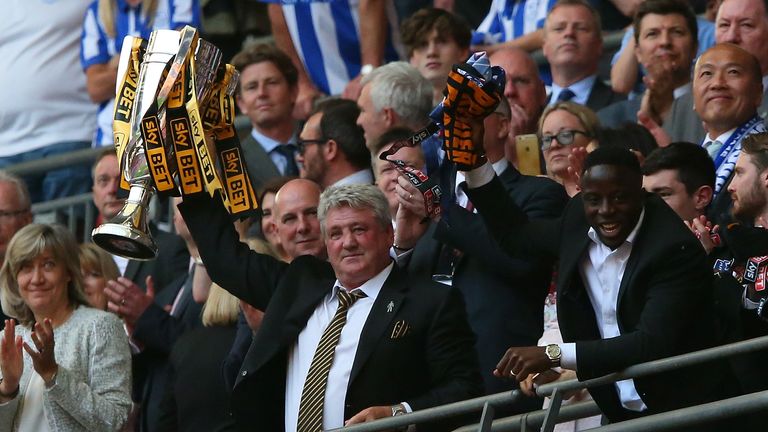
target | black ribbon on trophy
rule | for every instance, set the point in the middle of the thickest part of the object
(473, 91)
(174, 109)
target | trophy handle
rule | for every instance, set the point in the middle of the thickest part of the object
(127, 234)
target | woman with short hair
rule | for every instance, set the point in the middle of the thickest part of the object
(65, 366)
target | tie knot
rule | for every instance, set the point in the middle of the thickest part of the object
(347, 299)
(288, 151)
(565, 95)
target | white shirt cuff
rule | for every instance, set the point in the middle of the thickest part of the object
(407, 407)
(480, 176)
(568, 356)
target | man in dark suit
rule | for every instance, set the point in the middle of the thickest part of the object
(267, 93)
(573, 45)
(633, 286)
(172, 257)
(404, 344)
(504, 295)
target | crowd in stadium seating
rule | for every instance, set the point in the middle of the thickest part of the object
(611, 218)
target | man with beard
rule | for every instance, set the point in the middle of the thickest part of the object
(332, 146)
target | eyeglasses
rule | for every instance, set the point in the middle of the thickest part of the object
(301, 144)
(9, 214)
(564, 137)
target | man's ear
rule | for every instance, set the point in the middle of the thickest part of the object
(330, 150)
(390, 116)
(240, 105)
(702, 197)
(764, 178)
(503, 128)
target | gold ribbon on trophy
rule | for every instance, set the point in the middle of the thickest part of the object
(162, 140)
(218, 117)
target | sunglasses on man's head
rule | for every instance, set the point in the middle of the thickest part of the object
(564, 137)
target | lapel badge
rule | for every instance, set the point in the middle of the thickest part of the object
(400, 329)
(390, 306)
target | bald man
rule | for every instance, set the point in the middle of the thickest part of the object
(740, 22)
(727, 91)
(525, 93)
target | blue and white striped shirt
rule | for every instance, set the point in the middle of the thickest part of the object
(326, 35)
(96, 47)
(510, 19)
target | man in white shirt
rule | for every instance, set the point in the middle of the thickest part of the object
(633, 286)
(402, 345)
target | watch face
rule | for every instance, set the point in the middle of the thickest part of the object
(553, 352)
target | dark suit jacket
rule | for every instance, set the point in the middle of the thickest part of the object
(171, 262)
(619, 113)
(432, 365)
(260, 165)
(601, 96)
(195, 397)
(665, 304)
(504, 295)
(158, 331)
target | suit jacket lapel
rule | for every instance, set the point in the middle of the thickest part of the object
(260, 165)
(384, 310)
(307, 299)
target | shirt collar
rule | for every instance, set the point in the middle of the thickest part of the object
(722, 137)
(363, 176)
(372, 287)
(580, 89)
(500, 166)
(592, 233)
(682, 90)
(267, 143)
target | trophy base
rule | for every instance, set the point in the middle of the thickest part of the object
(125, 241)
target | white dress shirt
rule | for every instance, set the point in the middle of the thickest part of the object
(602, 270)
(581, 89)
(301, 354)
(269, 144)
(722, 138)
(363, 176)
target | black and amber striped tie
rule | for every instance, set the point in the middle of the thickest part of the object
(313, 394)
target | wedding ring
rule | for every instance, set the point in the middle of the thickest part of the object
(122, 302)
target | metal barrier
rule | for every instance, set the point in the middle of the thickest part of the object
(70, 209)
(551, 415)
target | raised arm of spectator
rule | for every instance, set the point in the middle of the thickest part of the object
(246, 274)
(308, 92)
(529, 42)
(625, 66)
(373, 19)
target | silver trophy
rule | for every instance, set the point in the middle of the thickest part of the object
(127, 234)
